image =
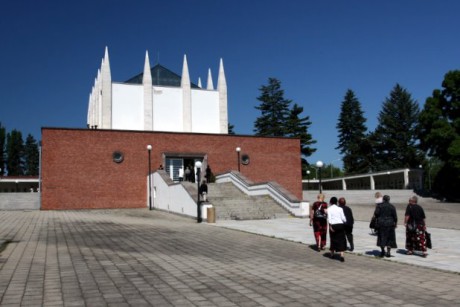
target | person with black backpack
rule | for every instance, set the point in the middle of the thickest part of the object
(318, 219)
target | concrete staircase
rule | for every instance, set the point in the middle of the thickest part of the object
(232, 204)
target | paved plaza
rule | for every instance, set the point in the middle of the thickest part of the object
(151, 258)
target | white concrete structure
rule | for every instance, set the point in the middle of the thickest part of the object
(404, 178)
(158, 100)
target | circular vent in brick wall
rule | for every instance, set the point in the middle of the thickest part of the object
(245, 159)
(117, 156)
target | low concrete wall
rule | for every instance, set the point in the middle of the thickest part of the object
(363, 196)
(20, 201)
(173, 197)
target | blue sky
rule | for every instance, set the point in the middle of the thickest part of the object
(50, 52)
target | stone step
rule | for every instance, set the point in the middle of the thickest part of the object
(231, 203)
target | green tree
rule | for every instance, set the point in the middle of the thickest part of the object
(352, 135)
(31, 156)
(15, 153)
(331, 171)
(274, 108)
(395, 137)
(277, 119)
(2, 149)
(297, 126)
(440, 134)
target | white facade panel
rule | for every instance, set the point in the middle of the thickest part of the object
(167, 109)
(127, 107)
(205, 111)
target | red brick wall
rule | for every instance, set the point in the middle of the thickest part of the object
(78, 171)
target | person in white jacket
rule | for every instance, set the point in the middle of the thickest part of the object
(336, 219)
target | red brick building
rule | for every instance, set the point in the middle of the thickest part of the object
(81, 168)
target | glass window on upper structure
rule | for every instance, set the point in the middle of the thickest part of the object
(161, 76)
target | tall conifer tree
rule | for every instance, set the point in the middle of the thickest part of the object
(278, 119)
(15, 153)
(352, 135)
(297, 126)
(396, 133)
(274, 110)
(31, 156)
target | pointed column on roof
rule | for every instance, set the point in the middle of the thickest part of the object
(210, 85)
(106, 79)
(90, 109)
(97, 90)
(148, 94)
(222, 89)
(94, 99)
(186, 98)
(91, 103)
(199, 82)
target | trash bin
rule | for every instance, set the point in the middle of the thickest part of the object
(211, 213)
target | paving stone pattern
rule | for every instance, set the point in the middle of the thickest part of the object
(149, 258)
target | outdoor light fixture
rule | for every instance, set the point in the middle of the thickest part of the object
(319, 165)
(149, 149)
(238, 149)
(308, 178)
(198, 205)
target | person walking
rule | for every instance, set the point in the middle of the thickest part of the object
(188, 174)
(349, 223)
(318, 219)
(204, 190)
(208, 173)
(373, 223)
(337, 220)
(181, 174)
(387, 221)
(414, 220)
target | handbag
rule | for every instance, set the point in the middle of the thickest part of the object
(428, 239)
(373, 224)
(320, 214)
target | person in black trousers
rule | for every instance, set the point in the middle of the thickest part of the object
(349, 223)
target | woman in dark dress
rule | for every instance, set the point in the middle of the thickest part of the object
(414, 220)
(319, 224)
(337, 220)
(387, 222)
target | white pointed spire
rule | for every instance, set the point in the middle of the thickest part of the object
(106, 103)
(185, 80)
(223, 109)
(148, 94)
(221, 81)
(147, 76)
(210, 85)
(186, 98)
(199, 82)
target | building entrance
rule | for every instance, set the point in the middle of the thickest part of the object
(175, 162)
